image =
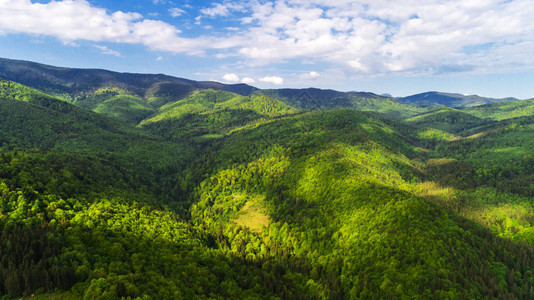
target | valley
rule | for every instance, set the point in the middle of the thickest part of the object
(117, 185)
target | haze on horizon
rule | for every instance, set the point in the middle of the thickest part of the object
(399, 47)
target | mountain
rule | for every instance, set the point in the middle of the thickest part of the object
(214, 194)
(74, 85)
(210, 114)
(314, 99)
(450, 99)
(447, 119)
(134, 97)
(502, 111)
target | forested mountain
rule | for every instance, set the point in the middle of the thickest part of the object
(78, 84)
(503, 111)
(450, 99)
(154, 191)
(315, 99)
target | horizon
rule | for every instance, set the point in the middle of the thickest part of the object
(400, 48)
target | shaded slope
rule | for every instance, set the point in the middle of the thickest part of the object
(71, 84)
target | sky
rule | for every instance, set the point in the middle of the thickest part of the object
(400, 47)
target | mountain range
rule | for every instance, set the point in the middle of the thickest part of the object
(119, 185)
(451, 99)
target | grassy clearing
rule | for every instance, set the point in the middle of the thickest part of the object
(252, 215)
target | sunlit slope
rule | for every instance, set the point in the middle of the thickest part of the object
(446, 119)
(118, 103)
(212, 112)
(109, 101)
(339, 192)
(502, 111)
(318, 99)
(13, 91)
(111, 243)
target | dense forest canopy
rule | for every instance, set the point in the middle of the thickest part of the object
(129, 185)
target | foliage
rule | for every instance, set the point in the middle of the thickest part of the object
(446, 119)
(313, 99)
(502, 111)
(450, 99)
(219, 195)
(211, 112)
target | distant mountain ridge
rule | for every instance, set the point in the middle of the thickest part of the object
(133, 97)
(73, 82)
(79, 86)
(450, 99)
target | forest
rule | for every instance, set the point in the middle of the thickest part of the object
(131, 186)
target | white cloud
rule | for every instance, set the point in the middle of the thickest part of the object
(231, 77)
(176, 12)
(105, 50)
(273, 79)
(361, 36)
(248, 80)
(159, 58)
(373, 37)
(310, 76)
(71, 21)
(222, 9)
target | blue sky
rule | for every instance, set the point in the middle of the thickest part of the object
(400, 47)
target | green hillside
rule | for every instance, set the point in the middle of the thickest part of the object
(213, 113)
(117, 103)
(314, 99)
(502, 111)
(226, 196)
(13, 91)
(446, 119)
(340, 191)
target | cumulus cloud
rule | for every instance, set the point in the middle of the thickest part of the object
(310, 76)
(273, 79)
(231, 77)
(368, 36)
(222, 9)
(176, 12)
(71, 21)
(359, 36)
(248, 80)
(105, 50)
